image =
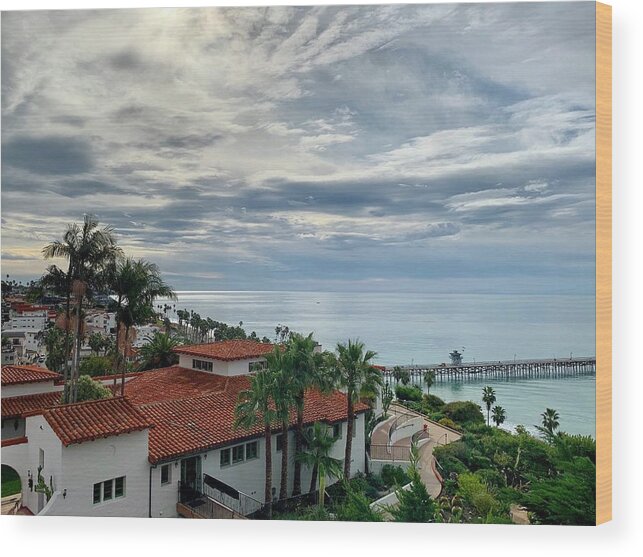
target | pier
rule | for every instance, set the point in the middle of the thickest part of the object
(518, 368)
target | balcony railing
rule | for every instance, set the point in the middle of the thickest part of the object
(211, 498)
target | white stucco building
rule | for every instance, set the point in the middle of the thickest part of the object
(170, 440)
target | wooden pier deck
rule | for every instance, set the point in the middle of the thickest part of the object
(552, 366)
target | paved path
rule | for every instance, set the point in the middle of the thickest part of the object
(438, 435)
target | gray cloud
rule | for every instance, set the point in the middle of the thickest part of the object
(268, 147)
(55, 154)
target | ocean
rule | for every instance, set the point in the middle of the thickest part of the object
(405, 328)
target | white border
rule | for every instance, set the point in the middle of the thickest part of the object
(51, 536)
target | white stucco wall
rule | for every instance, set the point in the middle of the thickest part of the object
(40, 436)
(30, 388)
(236, 367)
(87, 463)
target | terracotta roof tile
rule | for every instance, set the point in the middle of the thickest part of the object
(87, 421)
(194, 411)
(21, 406)
(15, 375)
(228, 350)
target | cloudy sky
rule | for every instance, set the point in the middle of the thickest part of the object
(445, 148)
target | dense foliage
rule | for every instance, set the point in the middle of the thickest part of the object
(490, 468)
(97, 365)
(88, 389)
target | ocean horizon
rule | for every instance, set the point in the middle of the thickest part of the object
(421, 328)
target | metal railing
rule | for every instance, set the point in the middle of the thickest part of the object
(391, 453)
(230, 497)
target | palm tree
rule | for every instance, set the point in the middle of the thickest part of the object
(88, 250)
(137, 284)
(488, 397)
(280, 367)
(255, 406)
(159, 352)
(550, 423)
(429, 379)
(499, 415)
(307, 372)
(319, 442)
(356, 374)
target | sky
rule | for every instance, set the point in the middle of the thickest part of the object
(440, 148)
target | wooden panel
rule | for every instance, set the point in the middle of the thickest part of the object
(603, 263)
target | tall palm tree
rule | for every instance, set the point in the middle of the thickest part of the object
(356, 374)
(88, 250)
(280, 367)
(159, 351)
(489, 398)
(319, 442)
(429, 379)
(307, 372)
(550, 423)
(499, 415)
(256, 405)
(137, 284)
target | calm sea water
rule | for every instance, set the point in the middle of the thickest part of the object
(526, 399)
(422, 328)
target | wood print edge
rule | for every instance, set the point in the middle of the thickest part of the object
(603, 263)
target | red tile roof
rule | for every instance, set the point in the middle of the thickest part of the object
(15, 375)
(228, 350)
(21, 406)
(194, 411)
(87, 421)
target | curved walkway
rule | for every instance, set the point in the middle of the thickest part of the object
(438, 435)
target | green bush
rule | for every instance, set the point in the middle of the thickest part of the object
(376, 482)
(88, 389)
(394, 475)
(402, 392)
(432, 402)
(96, 365)
(464, 413)
(475, 492)
(447, 422)
(491, 477)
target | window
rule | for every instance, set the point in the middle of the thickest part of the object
(252, 450)
(119, 487)
(280, 442)
(108, 490)
(166, 474)
(97, 492)
(253, 367)
(225, 457)
(354, 427)
(337, 431)
(238, 453)
(202, 365)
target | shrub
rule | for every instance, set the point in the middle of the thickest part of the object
(88, 389)
(433, 402)
(96, 365)
(375, 481)
(464, 412)
(402, 392)
(394, 475)
(447, 422)
(475, 492)
(491, 477)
